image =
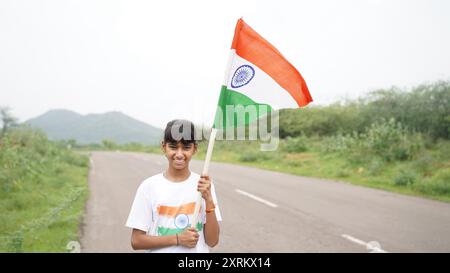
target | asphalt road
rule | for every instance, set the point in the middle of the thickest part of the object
(266, 211)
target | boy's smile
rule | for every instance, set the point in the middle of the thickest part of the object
(179, 162)
(179, 154)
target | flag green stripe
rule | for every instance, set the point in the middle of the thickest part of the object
(162, 231)
(231, 97)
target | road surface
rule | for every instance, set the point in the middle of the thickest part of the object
(266, 211)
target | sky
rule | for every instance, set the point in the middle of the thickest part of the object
(161, 60)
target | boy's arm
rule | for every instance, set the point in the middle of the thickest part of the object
(212, 229)
(140, 240)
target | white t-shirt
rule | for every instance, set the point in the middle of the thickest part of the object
(162, 207)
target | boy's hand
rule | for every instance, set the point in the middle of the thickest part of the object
(188, 238)
(204, 186)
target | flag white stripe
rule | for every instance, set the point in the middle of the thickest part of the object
(261, 88)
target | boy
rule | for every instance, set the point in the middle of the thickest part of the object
(163, 207)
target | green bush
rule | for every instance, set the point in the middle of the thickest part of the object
(295, 145)
(27, 153)
(424, 164)
(391, 141)
(109, 144)
(387, 140)
(21, 153)
(424, 109)
(439, 184)
(375, 167)
(75, 159)
(339, 143)
(405, 178)
(320, 120)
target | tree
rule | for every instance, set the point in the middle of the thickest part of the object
(109, 144)
(7, 119)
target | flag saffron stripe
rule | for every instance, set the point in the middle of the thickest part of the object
(255, 49)
(174, 211)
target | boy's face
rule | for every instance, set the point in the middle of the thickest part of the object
(179, 154)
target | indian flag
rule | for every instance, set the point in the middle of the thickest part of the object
(258, 75)
(175, 219)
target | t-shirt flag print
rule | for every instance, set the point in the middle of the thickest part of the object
(175, 219)
(258, 75)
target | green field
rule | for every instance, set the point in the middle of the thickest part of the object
(42, 195)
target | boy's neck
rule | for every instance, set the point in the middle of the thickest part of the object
(175, 175)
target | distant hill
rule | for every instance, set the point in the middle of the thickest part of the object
(63, 124)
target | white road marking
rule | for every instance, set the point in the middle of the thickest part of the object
(372, 246)
(259, 199)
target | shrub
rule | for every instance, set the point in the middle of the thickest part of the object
(424, 164)
(405, 178)
(25, 153)
(422, 109)
(439, 184)
(387, 140)
(339, 143)
(390, 141)
(295, 145)
(375, 167)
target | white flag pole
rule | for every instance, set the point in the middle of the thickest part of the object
(212, 138)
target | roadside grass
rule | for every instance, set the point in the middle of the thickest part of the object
(43, 194)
